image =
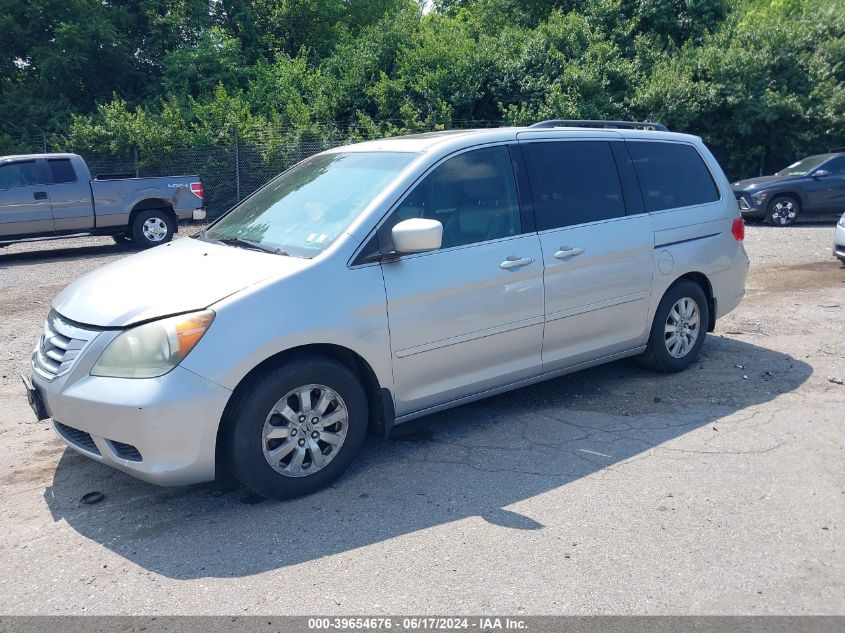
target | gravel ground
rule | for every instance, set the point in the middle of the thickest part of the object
(615, 490)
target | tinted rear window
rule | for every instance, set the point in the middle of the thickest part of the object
(61, 170)
(671, 175)
(573, 182)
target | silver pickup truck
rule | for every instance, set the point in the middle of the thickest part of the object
(49, 196)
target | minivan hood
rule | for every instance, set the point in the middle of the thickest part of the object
(184, 275)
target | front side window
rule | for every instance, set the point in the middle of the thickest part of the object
(22, 174)
(671, 175)
(306, 208)
(473, 196)
(573, 182)
(835, 166)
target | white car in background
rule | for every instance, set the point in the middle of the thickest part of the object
(839, 240)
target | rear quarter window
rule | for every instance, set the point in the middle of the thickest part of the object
(61, 171)
(671, 175)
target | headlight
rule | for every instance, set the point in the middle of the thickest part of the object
(153, 349)
(842, 220)
(760, 195)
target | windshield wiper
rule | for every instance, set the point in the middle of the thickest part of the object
(242, 243)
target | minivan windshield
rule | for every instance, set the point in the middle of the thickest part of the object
(802, 166)
(306, 208)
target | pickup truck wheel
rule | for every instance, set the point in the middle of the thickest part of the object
(294, 429)
(152, 228)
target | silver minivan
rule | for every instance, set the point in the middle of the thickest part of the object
(379, 282)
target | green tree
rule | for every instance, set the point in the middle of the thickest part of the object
(760, 97)
(762, 81)
(63, 56)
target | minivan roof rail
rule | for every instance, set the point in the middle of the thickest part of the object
(627, 125)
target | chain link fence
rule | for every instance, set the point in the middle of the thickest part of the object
(230, 169)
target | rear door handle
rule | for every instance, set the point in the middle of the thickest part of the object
(566, 251)
(515, 261)
(40, 195)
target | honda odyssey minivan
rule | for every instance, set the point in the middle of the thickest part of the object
(376, 283)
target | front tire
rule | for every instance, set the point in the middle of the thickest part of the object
(153, 227)
(782, 211)
(678, 329)
(296, 428)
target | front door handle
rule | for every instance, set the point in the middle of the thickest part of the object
(566, 251)
(515, 261)
(40, 195)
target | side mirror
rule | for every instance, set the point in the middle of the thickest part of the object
(417, 235)
(821, 173)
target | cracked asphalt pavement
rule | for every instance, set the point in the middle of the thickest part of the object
(720, 490)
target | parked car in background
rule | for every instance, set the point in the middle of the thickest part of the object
(839, 240)
(49, 196)
(813, 185)
(379, 282)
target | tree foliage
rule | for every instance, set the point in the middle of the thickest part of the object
(763, 81)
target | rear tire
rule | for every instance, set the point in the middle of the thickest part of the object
(679, 328)
(153, 227)
(782, 211)
(281, 449)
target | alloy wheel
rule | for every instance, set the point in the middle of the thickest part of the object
(783, 212)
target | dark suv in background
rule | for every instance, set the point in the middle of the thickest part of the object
(813, 185)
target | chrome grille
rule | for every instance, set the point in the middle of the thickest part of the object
(60, 346)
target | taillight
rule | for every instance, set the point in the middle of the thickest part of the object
(197, 190)
(738, 229)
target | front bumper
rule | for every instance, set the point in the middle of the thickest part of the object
(162, 430)
(749, 207)
(839, 242)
